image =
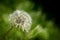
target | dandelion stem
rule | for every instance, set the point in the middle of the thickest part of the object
(6, 34)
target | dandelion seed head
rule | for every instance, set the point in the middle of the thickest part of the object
(21, 19)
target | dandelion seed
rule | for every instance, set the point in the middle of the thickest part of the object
(21, 19)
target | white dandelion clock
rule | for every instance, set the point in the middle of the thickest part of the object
(21, 19)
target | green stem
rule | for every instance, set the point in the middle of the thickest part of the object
(6, 34)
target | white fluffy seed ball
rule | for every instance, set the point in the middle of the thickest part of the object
(22, 19)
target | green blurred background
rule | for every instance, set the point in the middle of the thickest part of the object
(41, 29)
